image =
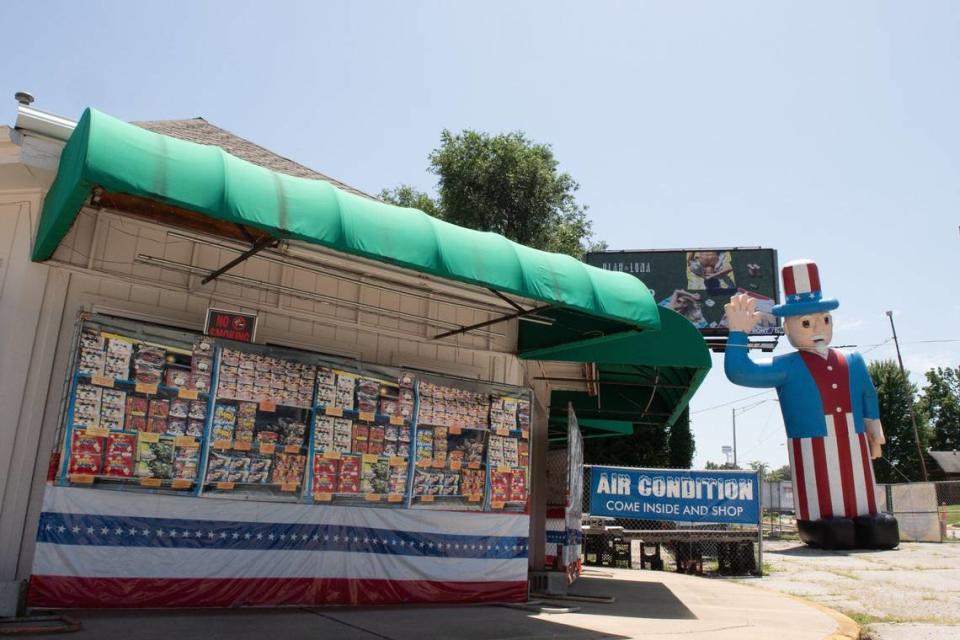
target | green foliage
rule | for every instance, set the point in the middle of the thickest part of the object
(507, 184)
(940, 403)
(780, 473)
(713, 466)
(681, 443)
(762, 467)
(646, 447)
(896, 394)
(407, 196)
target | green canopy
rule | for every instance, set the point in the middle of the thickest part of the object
(123, 158)
(593, 315)
(643, 377)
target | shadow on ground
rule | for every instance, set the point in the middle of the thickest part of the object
(802, 550)
(638, 600)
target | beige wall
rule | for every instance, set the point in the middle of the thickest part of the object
(377, 316)
(307, 298)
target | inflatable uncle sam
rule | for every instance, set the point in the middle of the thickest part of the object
(830, 410)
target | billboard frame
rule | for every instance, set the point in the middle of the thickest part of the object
(716, 338)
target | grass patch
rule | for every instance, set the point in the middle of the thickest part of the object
(864, 619)
(952, 512)
(768, 569)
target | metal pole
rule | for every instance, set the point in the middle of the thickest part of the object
(733, 412)
(760, 477)
(913, 419)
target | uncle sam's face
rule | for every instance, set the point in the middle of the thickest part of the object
(813, 331)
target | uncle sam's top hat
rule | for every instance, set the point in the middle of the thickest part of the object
(801, 289)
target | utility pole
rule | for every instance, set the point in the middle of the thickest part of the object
(913, 418)
(733, 413)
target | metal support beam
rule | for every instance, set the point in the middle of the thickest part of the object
(259, 245)
(614, 414)
(506, 299)
(615, 383)
(487, 323)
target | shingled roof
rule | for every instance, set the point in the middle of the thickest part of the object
(949, 461)
(200, 131)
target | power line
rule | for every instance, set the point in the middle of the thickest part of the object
(727, 404)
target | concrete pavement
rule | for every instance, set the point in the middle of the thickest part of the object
(907, 593)
(654, 605)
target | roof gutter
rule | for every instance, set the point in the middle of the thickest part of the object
(44, 123)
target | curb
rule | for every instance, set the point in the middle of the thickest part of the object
(847, 629)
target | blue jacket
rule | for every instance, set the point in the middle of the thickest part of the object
(800, 402)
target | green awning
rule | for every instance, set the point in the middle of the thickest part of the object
(122, 158)
(644, 377)
(646, 355)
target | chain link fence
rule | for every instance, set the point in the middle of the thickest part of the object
(718, 549)
(948, 508)
(925, 511)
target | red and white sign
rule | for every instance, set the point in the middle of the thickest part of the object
(230, 325)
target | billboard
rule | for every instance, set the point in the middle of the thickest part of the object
(676, 495)
(696, 283)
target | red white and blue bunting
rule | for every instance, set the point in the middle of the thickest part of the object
(113, 549)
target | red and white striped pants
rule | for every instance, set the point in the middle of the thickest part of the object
(833, 475)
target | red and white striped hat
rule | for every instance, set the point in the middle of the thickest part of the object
(801, 290)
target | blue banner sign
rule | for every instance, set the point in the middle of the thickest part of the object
(675, 494)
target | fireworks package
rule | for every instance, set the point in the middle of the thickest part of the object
(185, 463)
(288, 468)
(471, 481)
(361, 435)
(260, 468)
(91, 356)
(224, 420)
(117, 359)
(201, 363)
(349, 480)
(118, 460)
(323, 433)
(218, 467)
(148, 364)
(398, 478)
(500, 485)
(86, 406)
(368, 393)
(518, 486)
(86, 454)
(155, 459)
(324, 475)
(376, 477)
(177, 376)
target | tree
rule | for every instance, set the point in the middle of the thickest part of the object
(713, 466)
(760, 466)
(507, 184)
(681, 442)
(940, 403)
(780, 473)
(647, 446)
(407, 196)
(896, 394)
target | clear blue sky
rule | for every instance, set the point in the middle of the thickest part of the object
(822, 129)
